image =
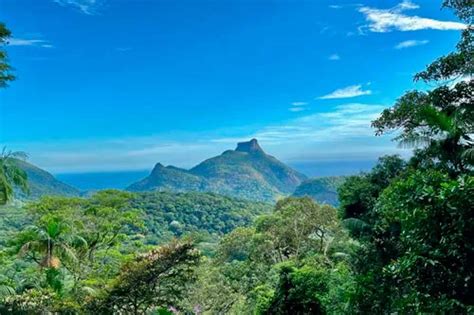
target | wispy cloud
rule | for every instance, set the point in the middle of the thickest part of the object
(347, 92)
(345, 121)
(299, 103)
(29, 42)
(298, 106)
(411, 43)
(386, 20)
(342, 132)
(335, 6)
(296, 109)
(334, 57)
(85, 6)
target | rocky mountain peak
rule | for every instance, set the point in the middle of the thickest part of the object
(251, 146)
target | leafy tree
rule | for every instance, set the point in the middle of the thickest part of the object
(246, 275)
(170, 215)
(297, 292)
(48, 242)
(5, 69)
(73, 246)
(298, 224)
(11, 175)
(434, 240)
(153, 280)
(108, 217)
(358, 194)
(416, 245)
(441, 120)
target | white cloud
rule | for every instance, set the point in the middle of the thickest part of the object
(386, 20)
(296, 109)
(411, 43)
(407, 5)
(343, 133)
(334, 57)
(29, 42)
(347, 92)
(298, 106)
(85, 6)
(335, 6)
(346, 121)
(299, 103)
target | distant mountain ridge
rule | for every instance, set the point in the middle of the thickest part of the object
(246, 172)
(321, 189)
(42, 183)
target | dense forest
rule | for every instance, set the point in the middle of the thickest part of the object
(401, 240)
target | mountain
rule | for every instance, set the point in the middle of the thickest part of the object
(246, 172)
(43, 183)
(321, 189)
(170, 178)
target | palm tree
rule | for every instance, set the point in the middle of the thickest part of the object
(11, 175)
(447, 136)
(48, 243)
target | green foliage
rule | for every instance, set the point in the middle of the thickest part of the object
(434, 220)
(441, 121)
(358, 194)
(12, 219)
(11, 175)
(285, 263)
(157, 279)
(412, 225)
(171, 215)
(5, 69)
(69, 250)
(299, 225)
(415, 223)
(298, 291)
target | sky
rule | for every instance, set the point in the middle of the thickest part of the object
(112, 85)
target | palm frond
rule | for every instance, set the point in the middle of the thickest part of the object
(67, 253)
(414, 142)
(438, 119)
(6, 290)
(356, 225)
(468, 155)
(6, 189)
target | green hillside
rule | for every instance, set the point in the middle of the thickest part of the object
(165, 214)
(42, 183)
(169, 178)
(321, 189)
(246, 172)
(169, 215)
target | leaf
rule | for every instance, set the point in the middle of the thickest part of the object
(6, 290)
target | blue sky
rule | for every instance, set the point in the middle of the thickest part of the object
(122, 84)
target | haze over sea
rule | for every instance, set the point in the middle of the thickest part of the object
(122, 179)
